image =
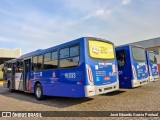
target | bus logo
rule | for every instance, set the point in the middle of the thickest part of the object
(95, 49)
(53, 74)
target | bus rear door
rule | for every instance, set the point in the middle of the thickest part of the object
(27, 68)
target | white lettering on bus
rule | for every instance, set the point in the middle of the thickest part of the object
(70, 75)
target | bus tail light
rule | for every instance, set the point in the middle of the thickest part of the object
(89, 75)
(90, 91)
(134, 72)
(80, 83)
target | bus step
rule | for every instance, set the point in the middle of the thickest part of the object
(27, 91)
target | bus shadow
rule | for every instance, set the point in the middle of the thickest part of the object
(59, 102)
(63, 102)
(134, 88)
(114, 93)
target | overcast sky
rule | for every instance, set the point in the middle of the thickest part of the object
(40, 24)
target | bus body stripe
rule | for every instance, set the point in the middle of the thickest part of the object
(134, 72)
(89, 75)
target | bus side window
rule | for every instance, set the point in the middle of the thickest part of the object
(69, 57)
(64, 57)
(34, 63)
(54, 59)
(9, 69)
(19, 66)
(47, 59)
(51, 60)
(120, 57)
(74, 55)
(64, 53)
(5, 70)
(40, 62)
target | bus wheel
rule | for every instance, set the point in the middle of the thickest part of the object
(10, 87)
(39, 92)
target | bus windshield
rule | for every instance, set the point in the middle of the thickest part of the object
(138, 54)
(152, 57)
(101, 50)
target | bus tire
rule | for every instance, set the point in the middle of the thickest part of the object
(39, 92)
(10, 87)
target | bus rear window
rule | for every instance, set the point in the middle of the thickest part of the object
(138, 54)
(152, 57)
(101, 50)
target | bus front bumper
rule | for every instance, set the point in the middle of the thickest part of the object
(136, 83)
(96, 90)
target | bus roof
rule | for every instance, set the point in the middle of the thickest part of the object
(129, 45)
(11, 61)
(41, 51)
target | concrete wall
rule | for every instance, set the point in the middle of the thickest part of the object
(148, 43)
(1, 75)
(10, 53)
(156, 49)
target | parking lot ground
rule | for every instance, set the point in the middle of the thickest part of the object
(145, 98)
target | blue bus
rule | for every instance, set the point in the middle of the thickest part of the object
(80, 68)
(132, 66)
(152, 65)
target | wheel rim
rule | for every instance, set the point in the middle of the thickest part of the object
(38, 92)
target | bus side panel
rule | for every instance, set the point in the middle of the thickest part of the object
(125, 72)
(67, 82)
(63, 84)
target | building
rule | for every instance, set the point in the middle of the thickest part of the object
(151, 44)
(7, 54)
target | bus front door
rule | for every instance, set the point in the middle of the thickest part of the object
(27, 68)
